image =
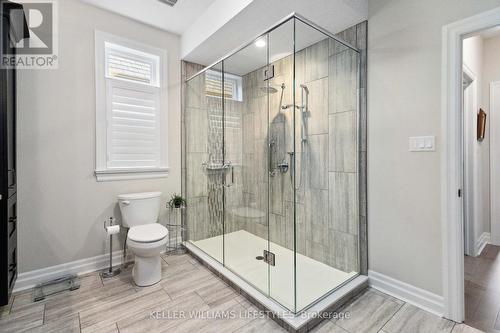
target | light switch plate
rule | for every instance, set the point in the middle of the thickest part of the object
(422, 143)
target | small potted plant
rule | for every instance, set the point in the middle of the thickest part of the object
(176, 201)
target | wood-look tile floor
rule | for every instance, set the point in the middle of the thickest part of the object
(190, 298)
(482, 290)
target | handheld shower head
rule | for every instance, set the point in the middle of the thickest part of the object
(303, 86)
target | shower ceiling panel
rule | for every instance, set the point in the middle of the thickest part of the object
(249, 58)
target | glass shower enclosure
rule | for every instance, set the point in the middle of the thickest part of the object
(271, 162)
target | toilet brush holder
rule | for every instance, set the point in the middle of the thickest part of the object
(111, 229)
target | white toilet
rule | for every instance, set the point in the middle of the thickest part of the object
(146, 238)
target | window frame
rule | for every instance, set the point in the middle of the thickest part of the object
(135, 55)
(102, 82)
(235, 79)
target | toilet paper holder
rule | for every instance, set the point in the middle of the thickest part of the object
(110, 272)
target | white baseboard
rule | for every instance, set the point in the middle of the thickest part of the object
(29, 279)
(419, 297)
(480, 243)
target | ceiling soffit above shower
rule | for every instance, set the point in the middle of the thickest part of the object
(210, 29)
(333, 15)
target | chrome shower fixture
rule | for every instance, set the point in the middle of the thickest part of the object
(304, 108)
(283, 167)
(270, 89)
(303, 86)
(171, 3)
(288, 106)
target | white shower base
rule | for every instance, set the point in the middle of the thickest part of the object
(314, 279)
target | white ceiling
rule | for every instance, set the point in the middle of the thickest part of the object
(280, 44)
(175, 19)
(210, 29)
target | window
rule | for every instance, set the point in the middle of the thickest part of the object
(130, 110)
(232, 85)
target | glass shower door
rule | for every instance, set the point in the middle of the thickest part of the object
(272, 158)
(327, 218)
(259, 151)
(283, 111)
(246, 152)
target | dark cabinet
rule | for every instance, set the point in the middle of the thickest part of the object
(8, 175)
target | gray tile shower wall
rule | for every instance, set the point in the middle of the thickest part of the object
(330, 200)
(202, 147)
(187, 70)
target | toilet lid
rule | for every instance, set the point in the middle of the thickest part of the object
(147, 233)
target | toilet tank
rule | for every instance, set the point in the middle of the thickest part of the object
(139, 208)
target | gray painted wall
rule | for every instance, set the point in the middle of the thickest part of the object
(404, 84)
(61, 205)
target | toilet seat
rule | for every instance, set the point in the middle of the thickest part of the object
(147, 233)
(147, 250)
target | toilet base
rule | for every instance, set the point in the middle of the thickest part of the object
(146, 270)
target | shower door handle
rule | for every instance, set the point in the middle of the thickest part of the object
(270, 158)
(229, 166)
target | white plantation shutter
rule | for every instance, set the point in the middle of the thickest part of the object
(133, 126)
(125, 68)
(232, 85)
(213, 85)
(131, 65)
(129, 111)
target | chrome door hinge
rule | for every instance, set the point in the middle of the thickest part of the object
(269, 257)
(268, 72)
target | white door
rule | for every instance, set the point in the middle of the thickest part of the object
(495, 161)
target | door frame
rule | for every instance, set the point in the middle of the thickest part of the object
(494, 133)
(451, 159)
(469, 98)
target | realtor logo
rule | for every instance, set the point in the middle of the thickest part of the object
(32, 36)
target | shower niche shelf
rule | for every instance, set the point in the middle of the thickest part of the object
(214, 166)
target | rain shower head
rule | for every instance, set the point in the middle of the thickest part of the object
(270, 90)
(171, 3)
